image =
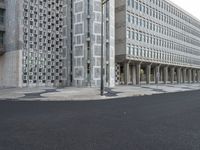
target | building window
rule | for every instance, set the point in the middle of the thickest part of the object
(129, 18)
(1, 16)
(1, 38)
(129, 2)
(133, 3)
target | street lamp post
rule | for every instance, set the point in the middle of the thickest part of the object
(103, 2)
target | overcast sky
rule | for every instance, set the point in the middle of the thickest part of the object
(191, 6)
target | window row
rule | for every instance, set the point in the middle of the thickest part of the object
(158, 55)
(165, 6)
(173, 10)
(161, 16)
(156, 27)
(159, 41)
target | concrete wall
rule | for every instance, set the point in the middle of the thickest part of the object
(120, 25)
(11, 69)
(42, 43)
(86, 48)
(11, 61)
(112, 48)
(67, 43)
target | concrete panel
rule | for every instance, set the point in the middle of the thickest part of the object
(11, 69)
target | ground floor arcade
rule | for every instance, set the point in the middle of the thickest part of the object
(136, 73)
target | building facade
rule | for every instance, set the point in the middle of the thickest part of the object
(55, 43)
(33, 41)
(84, 42)
(58, 43)
(11, 47)
(42, 43)
(156, 42)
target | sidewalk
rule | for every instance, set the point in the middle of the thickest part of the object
(81, 94)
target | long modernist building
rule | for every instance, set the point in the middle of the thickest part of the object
(156, 42)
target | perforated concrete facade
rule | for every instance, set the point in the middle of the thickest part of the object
(42, 42)
(33, 43)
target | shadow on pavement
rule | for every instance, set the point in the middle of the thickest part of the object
(38, 95)
(111, 93)
(155, 89)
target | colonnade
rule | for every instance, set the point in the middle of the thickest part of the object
(149, 73)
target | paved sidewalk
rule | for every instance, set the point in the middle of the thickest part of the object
(72, 94)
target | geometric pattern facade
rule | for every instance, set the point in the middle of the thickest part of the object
(42, 42)
(86, 42)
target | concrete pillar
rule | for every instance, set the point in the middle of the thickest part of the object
(178, 75)
(181, 75)
(189, 75)
(154, 74)
(148, 74)
(184, 75)
(161, 74)
(198, 76)
(138, 69)
(126, 73)
(133, 74)
(194, 76)
(165, 74)
(157, 74)
(172, 74)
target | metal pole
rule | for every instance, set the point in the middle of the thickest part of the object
(102, 69)
(102, 53)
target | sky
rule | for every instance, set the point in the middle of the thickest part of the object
(191, 6)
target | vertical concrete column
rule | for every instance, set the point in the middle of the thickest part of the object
(165, 74)
(198, 76)
(133, 74)
(193, 75)
(126, 73)
(157, 74)
(172, 74)
(178, 75)
(189, 75)
(161, 74)
(138, 69)
(154, 74)
(148, 74)
(184, 75)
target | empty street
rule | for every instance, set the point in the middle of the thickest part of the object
(158, 122)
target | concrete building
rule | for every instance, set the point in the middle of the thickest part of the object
(55, 43)
(32, 39)
(156, 42)
(11, 45)
(58, 43)
(83, 38)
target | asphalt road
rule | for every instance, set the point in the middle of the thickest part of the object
(158, 122)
